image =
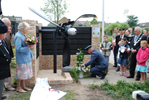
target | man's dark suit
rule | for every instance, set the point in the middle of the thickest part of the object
(5, 60)
(118, 38)
(98, 63)
(136, 47)
(8, 43)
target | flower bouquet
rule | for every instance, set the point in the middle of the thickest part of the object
(30, 40)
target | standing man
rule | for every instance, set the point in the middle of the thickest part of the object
(5, 59)
(130, 30)
(97, 61)
(135, 45)
(119, 38)
(114, 45)
(145, 32)
(7, 42)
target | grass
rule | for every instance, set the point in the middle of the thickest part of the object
(20, 96)
(123, 90)
(70, 95)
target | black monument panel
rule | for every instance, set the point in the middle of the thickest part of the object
(80, 40)
(37, 45)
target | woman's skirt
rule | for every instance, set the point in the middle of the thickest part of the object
(24, 71)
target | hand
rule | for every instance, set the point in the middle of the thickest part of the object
(106, 48)
(138, 61)
(103, 49)
(125, 48)
(30, 47)
(133, 51)
(119, 50)
(82, 65)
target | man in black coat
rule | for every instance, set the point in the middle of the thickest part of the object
(5, 58)
(119, 38)
(7, 42)
(135, 45)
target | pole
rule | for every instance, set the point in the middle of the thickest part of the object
(102, 20)
(55, 52)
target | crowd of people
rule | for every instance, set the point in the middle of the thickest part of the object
(23, 57)
(131, 52)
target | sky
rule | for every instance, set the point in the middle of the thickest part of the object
(113, 9)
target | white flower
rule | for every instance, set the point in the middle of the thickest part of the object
(77, 53)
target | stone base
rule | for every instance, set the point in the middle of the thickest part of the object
(55, 78)
(67, 68)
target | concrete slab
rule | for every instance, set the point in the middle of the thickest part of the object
(55, 78)
(112, 77)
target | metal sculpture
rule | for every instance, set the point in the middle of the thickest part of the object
(65, 30)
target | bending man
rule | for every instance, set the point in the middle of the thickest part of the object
(97, 61)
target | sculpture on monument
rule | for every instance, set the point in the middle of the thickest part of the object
(65, 30)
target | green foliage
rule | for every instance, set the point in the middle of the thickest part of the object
(70, 95)
(110, 38)
(107, 70)
(110, 28)
(15, 81)
(123, 90)
(147, 29)
(132, 21)
(79, 60)
(79, 57)
(93, 86)
(75, 73)
(20, 96)
(94, 22)
(124, 25)
(55, 9)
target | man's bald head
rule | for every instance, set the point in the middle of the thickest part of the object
(6, 22)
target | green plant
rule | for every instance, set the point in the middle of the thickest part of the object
(15, 81)
(93, 86)
(123, 90)
(70, 95)
(79, 57)
(79, 60)
(75, 73)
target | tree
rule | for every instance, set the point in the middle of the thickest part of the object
(124, 25)
(94, 22)
(132, 21)
(110, 28)
(87, 23)
(54, 9)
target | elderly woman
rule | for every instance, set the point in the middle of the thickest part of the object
(23, 58)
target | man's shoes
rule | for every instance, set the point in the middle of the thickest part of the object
(137, 79)
(3, 97)
(114, 66)
(103, 76)
(93, 76)
(118, 68)
(130, 76)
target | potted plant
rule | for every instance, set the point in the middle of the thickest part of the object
(79, 61)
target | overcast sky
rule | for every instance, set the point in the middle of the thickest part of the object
(114, 9)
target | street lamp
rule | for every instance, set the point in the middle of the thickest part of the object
(102, 20)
